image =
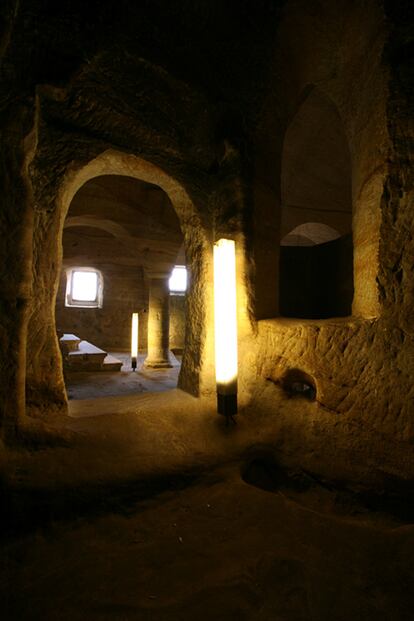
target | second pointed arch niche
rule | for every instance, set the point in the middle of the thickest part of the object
(316, 250)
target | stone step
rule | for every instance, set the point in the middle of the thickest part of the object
(69, 342)
(91, 358)
(111, 364)
(86, 356)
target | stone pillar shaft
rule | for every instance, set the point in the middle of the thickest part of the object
(158, 324)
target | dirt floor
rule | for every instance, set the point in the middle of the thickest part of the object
(88, 385)
(154, 510)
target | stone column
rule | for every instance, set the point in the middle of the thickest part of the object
(18, 139)
(158, 324)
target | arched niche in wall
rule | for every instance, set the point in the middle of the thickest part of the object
(316, 253)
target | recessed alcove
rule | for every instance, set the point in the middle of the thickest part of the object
(316, 273)
(297, 383)
(316, 248)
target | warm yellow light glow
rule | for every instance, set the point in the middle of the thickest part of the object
(134, 336)
(225, 318)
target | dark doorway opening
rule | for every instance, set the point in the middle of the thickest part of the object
(316, 281)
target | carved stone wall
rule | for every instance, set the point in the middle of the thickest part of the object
(206, 124)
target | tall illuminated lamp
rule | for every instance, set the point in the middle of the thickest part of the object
(134, 341)
(225, 324)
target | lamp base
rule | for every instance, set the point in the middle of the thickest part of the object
(227, 405)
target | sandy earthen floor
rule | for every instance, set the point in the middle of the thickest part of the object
(88, 385)
(147, 514)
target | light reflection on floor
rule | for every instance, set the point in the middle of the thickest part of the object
(89, 385)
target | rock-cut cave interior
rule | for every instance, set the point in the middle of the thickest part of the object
(207, 302)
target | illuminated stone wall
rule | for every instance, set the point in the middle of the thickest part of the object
(207, 124)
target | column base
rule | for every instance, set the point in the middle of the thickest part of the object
(157, 364)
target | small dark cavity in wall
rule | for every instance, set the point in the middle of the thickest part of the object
(297, 383)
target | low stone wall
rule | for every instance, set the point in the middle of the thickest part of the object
(357, 423)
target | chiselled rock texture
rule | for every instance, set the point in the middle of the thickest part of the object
(133, 135)
(352, 375)
(214, 110)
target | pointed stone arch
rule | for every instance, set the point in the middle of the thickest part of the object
(316, 254)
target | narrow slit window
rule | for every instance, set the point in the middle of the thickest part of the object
(84, 288)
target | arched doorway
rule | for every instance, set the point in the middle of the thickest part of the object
(121, 237)
(45, 385)
(316, 250)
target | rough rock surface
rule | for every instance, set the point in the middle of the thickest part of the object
(197, 98)
(209, 528)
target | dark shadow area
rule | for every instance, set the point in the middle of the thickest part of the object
(316, 282)
(297, 383)
(27, 510)
(396, 499)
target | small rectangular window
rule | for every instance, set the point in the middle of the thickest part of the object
(84, 288)
(178, 280)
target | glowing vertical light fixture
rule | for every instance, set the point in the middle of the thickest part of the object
(225, 323)
(134, 341)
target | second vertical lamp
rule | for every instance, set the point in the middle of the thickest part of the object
(225, 323)
(134, 341)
